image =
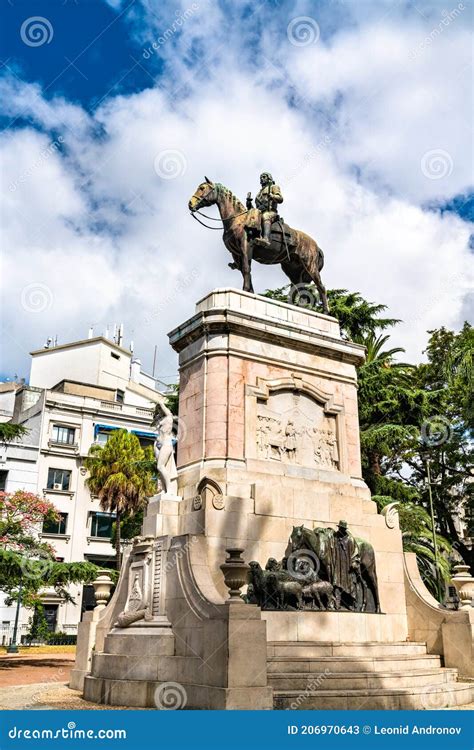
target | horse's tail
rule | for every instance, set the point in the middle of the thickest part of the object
(320, 259)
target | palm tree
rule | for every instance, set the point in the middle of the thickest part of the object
(120, 476)
(374, 349)
(417, 535)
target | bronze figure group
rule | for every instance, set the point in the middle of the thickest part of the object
(323, 568)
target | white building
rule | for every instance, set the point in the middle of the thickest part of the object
(78, 393)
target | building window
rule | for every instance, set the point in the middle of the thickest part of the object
(119, 396)
(56, 527)
(101, 524)
(3, 480)
(102, 436)
(59, 479)
(146, 442)
(115, 356)
(63, 434)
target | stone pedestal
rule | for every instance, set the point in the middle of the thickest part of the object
(161, 516)
(269, 441)
(268, 400)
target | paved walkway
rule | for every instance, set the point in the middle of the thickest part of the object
(40, 683)
(27, 669)
(46, 696)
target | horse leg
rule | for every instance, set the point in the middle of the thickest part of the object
(368, 571)
(315, 275)
(246, 264)
(372, 576)
(364, 594)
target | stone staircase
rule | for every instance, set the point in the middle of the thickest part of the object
(367, 676)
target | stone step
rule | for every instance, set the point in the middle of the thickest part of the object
(395, 663)
(427, 697)
(342, 681)
(310, 650)
(158, 642)
(135, 667)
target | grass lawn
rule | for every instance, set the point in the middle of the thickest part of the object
(26, 650)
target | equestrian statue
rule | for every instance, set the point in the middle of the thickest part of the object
(260, 234)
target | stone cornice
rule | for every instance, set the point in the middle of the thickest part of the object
(292, 333)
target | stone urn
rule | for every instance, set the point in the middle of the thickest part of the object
(464, 584)
(102, 587)
(236, 572)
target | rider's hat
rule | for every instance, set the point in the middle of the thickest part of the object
(342, 525)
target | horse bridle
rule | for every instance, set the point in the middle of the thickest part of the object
(212, 218)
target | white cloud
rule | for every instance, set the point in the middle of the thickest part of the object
(112, 241)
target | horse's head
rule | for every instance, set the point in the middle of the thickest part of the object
(205, 195)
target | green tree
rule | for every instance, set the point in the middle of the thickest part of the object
(130, 526)
(28, 564)
(410, 416)
(10, 431)
(120, 476)
(356, 316)
(446, 437)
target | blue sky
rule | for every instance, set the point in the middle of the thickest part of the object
(112, 112)
(90, 50)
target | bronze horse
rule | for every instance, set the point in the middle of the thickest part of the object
(320, 541)
(299, 255)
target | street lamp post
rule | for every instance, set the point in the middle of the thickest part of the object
(13, 647)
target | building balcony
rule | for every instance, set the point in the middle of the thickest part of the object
(98, 539)
(63, 537)
(128, 409)
(51, 491)
(111, 405)
(62, 449)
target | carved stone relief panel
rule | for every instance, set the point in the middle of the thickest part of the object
(138, 602)
(293, 428)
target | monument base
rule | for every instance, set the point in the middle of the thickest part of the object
(268, 394)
